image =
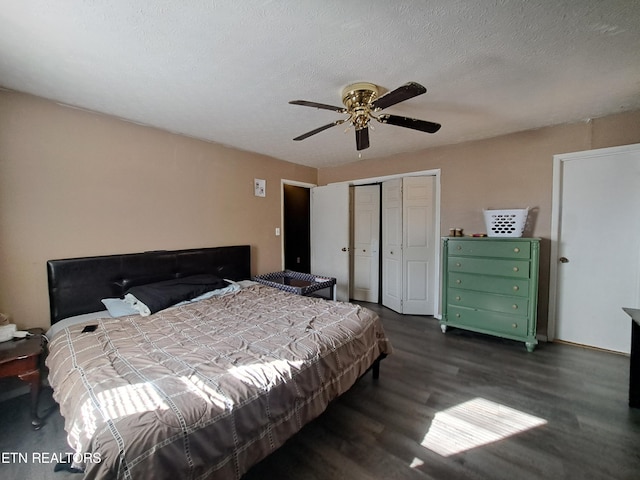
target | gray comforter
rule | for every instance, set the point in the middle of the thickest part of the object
(208, 389)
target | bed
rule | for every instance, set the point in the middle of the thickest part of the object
(207, 387)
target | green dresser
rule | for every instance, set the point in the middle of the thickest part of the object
(490, 285)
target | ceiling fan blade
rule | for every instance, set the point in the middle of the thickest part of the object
(400, 94)
(362, 138)
(324, 106)
(413, 123)
(319, 129)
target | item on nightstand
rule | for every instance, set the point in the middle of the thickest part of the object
(6, 332)
(4, 319)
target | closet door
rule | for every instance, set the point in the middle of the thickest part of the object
(419, 241)
(409, 245)
(392, 244)
(366, 235)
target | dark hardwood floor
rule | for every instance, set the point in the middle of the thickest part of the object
(445, 407)
(452, 389)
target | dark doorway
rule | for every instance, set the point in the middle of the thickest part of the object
(297, 228)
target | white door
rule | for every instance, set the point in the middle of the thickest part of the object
(330, 235)
(392, 244)
(598, 247)
(366, 234)
(419, 242)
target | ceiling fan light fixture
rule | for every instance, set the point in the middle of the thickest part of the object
(361, 100)
(357, 99)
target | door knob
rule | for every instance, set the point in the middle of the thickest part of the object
(563, 260)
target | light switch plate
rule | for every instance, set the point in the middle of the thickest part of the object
(260, 187)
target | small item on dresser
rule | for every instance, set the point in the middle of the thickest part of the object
(6, 332)
(452, 232)
(459, 232)
(506, 223)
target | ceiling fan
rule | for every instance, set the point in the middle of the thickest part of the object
(361, 101)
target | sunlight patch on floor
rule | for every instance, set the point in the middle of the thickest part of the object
(473, 424)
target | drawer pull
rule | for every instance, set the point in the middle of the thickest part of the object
(459, 247)
(516, 250)
(458, 281)
(458, 297)
(516, 269)
(514, 306)
(457, 315)
(516, 288)
(458, 264)
(515, 325)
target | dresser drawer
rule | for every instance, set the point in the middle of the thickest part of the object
(489, 266)
(486, 283)
(487, 322)
(486, 301)
(484, 248)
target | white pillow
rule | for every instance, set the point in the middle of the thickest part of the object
(118, 307)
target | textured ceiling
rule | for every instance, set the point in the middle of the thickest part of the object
(224, 71)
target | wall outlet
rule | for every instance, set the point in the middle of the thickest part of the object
(277, 231)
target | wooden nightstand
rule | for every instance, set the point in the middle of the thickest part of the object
(21, 358)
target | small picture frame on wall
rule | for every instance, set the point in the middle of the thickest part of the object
(260, 187)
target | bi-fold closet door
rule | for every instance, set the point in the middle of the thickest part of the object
(409, 245)
(365, 249)
(405, 269)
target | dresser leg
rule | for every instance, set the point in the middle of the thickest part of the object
(530, 346)
(443, 328)
(33, 379)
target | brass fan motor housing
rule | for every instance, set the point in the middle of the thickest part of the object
(359, 94)
(356, 98)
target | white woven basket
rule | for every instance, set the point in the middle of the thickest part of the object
(506, 223)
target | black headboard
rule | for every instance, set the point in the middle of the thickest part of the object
(76, 285)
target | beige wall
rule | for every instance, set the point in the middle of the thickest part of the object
(74, 183)
(511, 171)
